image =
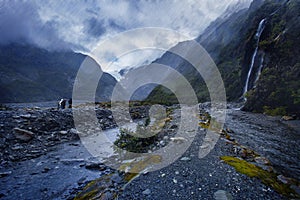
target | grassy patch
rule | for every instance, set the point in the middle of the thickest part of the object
(268, 178)
(95, 189)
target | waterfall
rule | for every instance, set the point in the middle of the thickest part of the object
(259, 31)
(260, 68)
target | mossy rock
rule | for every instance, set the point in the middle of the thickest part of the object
(268, 178)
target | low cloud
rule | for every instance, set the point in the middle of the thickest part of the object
(81, 25)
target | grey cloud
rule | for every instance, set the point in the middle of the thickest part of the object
(20, 23)
(95, 27)
(80, 25)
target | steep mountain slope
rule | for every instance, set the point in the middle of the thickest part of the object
(222, 40)
(260, 40)
(31, 74)
(277, 90)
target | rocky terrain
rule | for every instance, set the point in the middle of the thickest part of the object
(43, 158)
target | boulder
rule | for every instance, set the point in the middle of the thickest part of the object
(23, 134)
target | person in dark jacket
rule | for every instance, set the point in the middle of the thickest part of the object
(62, 104)
(70, 103)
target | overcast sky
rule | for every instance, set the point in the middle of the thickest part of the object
(82, 25)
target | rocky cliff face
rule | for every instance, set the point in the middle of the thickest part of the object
(277, 88)
(271, 60)
(31, 74)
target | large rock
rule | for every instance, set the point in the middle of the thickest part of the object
(23, 134)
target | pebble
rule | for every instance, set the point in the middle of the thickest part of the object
(222, 195)
(185, 159)
(116, 178)
(26, 116)
(45, 170)
(23, 134)
(63, 132)
(147, 192)
(3, 174)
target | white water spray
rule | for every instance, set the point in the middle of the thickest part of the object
(259, 31)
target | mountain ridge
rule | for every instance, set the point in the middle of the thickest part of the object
(32, 74)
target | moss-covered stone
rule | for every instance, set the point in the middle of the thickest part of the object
(268, 178)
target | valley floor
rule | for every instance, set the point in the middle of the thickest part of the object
(57, 166)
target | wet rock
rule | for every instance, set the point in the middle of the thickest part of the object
(185, 159)
(63, 132)
(284, 179)
(287, 118)
(73, 131)
(262, 160)
(23, 134)
(3, 174)
(177, 139)
(45, 170)
(222, 195)
(174, 126)
(147, 192)
(116, 178)
(107, 196)
(26, 116)
(17, 147)
(95, 166)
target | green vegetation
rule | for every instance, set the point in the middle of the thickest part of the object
(268, 178)
(131, 141)
(277, 90)
(95, 189)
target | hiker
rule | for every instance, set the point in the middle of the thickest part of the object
(62, 104)
(70, 103)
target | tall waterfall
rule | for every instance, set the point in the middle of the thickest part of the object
(260, 68)
(259, 31)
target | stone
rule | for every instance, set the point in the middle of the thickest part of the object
(262, 160)
(284, 179)
(177, 139)
(23, 134)
(73, 131)
(116, 178)
(95, 166)
(45, 170)
(107, 196)
(3, 174)
(147, 192)
(287, 118)
(222, 195)
(174, 126)
(26, 116)
(63, 132)
(185, 159)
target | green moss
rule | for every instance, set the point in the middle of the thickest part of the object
(268, 178)
(276, 111)
(95, 188)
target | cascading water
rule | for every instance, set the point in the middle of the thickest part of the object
(260, 67)
(259, 31)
